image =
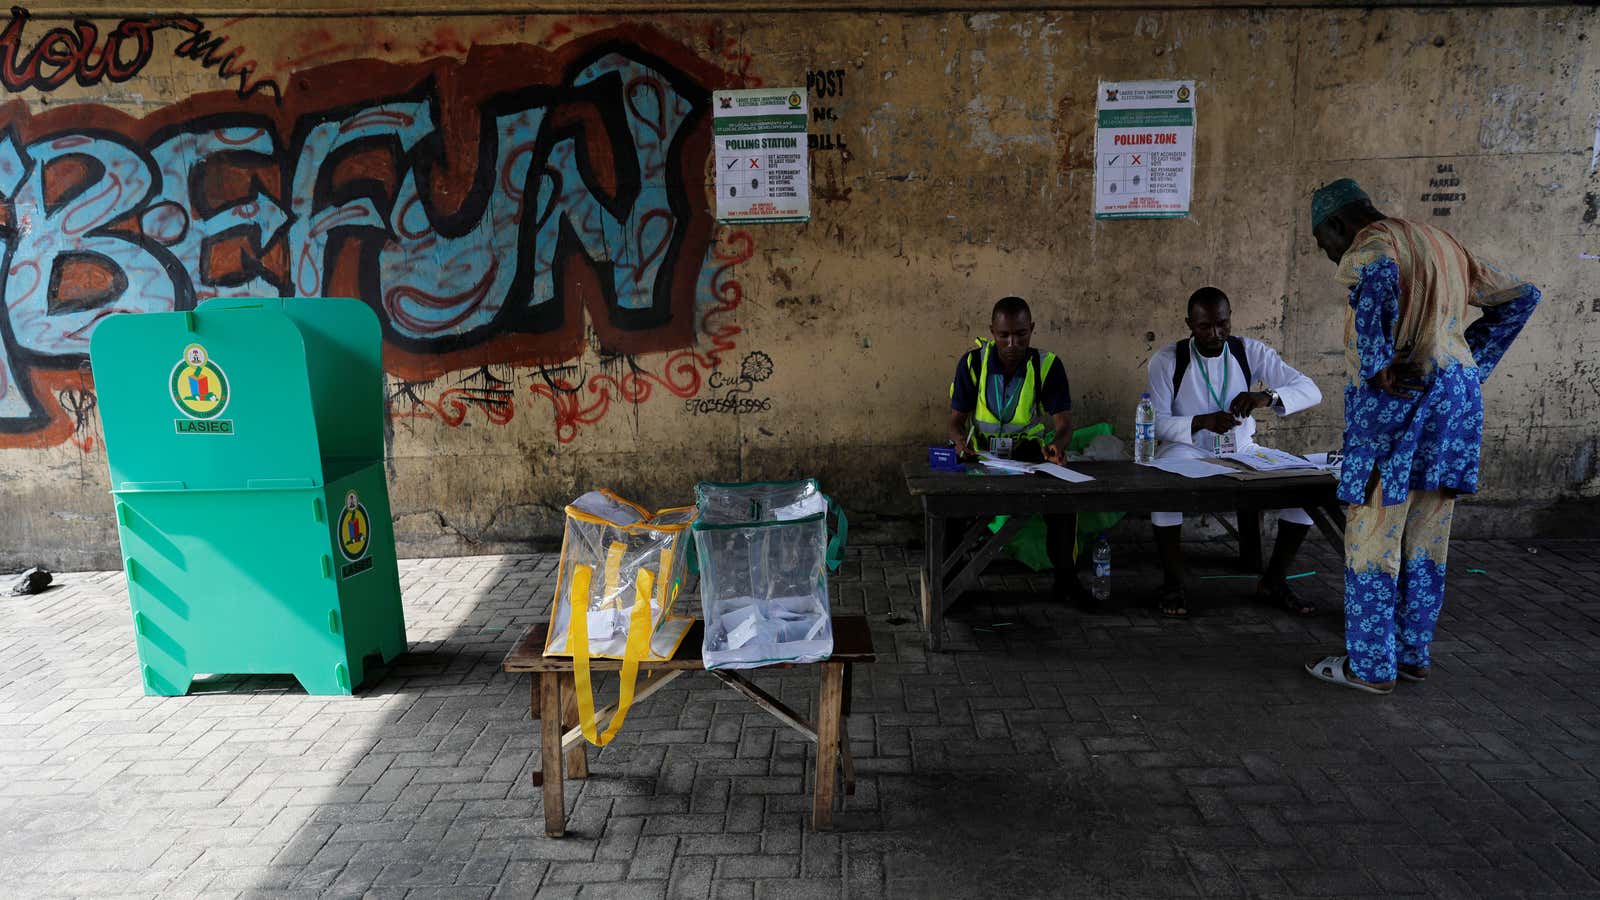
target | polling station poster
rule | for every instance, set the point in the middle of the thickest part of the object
(1144, 149)
(761, 155)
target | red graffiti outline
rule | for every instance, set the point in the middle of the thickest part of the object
(475, 293)
(659, 126)
(452, 406)
(661, 245)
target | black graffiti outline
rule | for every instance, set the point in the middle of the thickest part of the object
(79, 403)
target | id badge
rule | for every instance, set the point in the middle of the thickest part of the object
(1001, 446)
(1227, 443)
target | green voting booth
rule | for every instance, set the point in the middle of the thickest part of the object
(245, 442)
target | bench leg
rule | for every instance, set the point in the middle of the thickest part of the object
(1330, 521)
(829, 705)
(555, 812)
(535, 683)
(847, 763)
(578, 756)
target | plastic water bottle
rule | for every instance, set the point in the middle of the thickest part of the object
(1144, 430)
(1100, 587)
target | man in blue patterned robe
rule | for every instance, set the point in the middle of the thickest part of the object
(1413, 420)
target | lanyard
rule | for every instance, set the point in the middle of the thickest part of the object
(1004, 405)
(1194, 353)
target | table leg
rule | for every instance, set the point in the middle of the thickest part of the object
(1330, 521)
(829, 704)
(933, 582)
(555, 812)
(1250, 540)
(578, 756)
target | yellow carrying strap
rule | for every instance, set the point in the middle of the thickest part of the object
(614, 571)
(578, 640)
(664, 584)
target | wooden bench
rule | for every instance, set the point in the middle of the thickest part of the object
(554, 707)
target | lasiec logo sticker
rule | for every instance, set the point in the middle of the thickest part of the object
(199, 388)
(354, 534)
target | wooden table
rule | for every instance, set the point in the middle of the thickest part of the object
(1117, 487)
(554, 707)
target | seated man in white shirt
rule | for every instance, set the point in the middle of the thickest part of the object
(1201, 391)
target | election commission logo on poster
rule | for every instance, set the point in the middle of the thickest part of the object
(1144, 149)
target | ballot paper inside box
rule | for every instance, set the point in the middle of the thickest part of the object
(765, 552)
(622, 569)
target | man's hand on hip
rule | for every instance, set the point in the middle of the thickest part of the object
(1401, 378)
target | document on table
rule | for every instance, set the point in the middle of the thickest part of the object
(1190, 468)
(1005, 465)
(1063, 473)
(996, 470)
(1014, 467)
(1321, 461)
(1267, 459)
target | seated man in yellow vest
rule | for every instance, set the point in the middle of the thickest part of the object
(1014, 400)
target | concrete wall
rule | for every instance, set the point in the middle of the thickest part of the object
(528, 213)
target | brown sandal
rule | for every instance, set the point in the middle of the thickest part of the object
(1171, 602)
(1412, 673)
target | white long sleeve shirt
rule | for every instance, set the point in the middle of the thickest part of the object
(1175, 413)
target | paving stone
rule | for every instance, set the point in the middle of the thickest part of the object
(1174, 758)
(690, 876)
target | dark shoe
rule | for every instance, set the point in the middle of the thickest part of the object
(1278, 593)
(1171, 602)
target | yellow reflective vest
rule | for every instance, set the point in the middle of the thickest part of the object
(1027, 420)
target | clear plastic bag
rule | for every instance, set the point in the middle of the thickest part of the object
(765, 553)
(621, 571)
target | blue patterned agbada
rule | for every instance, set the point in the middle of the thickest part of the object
(1410, 289)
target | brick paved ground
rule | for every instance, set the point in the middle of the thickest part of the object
(1046, 754)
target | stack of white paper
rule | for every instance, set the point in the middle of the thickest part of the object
(1267, 459)
(1190, 468)
(1063, 473)
(1014, 467)
(1005, 465)
(1320, 460)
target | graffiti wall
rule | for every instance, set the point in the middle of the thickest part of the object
(492, 209)
(523, 201)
